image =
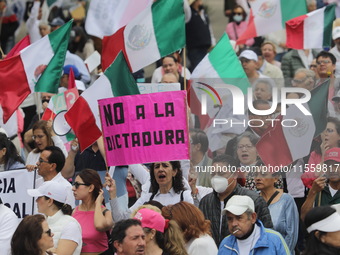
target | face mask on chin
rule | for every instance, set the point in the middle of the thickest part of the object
(219, 183)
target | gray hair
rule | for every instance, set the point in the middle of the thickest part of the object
(307, 72)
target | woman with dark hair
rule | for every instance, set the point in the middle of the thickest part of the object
(282, 207)
(9, 157)
(195, 228)
(163, 237)
(51, 199)
(330, 138)
(236, 28)
(323, 226)
(32, 237)
(166, 187)
(43, 136)
(94, 219)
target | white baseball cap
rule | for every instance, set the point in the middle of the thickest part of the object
(248, 54)
(51, 189)
(238, 205)
(336, 33)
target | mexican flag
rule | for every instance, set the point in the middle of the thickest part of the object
(60, 102)
(157, 31)
(220, 66)
(104, 18)
(283, 144)
(84, 116)
(311, 31)
(38, 68)
(267, 16)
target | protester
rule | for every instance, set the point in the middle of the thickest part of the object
(295, 59)
(330, 138)
(248, 236)
(224, 184)
(9, 23)
(49, 166)
(43, 136)
(33, 22)
(51, 198)
(166, 187)
(282, 207)
(322, 193)
(128, 237)
(80, 44)
(199, 145)
(199, 36)
(246, 156)
(269, 53)
(323, 226)
(238, 26)
(33, 236)
(195, 228)
(9, 157)
(8, 223)
(263, 89)
(249, 60)
(94, 219)
(161, 235)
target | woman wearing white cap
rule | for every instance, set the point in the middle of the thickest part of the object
(323, 225)
(51, 200)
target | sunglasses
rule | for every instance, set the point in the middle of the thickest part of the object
(49, 232)
(37, 136)
(77, 184)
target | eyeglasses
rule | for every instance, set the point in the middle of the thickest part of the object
(49, 232)
(43, 161)
(247, 146)
(325, 62)
(77, 184)
(37, 136)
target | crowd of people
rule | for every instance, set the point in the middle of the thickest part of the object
(203, 206)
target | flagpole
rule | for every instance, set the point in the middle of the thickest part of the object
(185, 67)
(2, 53)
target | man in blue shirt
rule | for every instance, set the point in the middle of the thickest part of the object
(248, 236)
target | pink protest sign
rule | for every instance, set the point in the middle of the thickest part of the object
(145, 128)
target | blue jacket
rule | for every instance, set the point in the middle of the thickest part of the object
(270, 242)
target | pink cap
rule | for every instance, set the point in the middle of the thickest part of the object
(332, 154)
(151, 219)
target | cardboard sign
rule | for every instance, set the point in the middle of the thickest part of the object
(13, 191)
(145, 128)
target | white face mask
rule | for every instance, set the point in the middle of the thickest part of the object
(219, 183)
(237, 18)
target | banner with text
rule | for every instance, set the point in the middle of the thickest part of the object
(13, 191)
(145, 128)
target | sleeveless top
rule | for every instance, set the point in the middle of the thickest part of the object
(93, 240)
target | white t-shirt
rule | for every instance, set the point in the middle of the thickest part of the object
(204, 245)
(8, 222)
(246, 245)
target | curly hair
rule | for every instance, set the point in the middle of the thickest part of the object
(177, 181)
(189, 218)
(26, 236)
(90, 176)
